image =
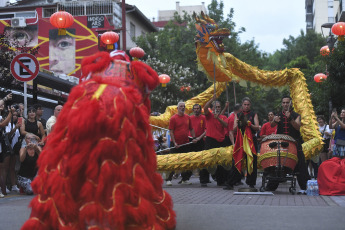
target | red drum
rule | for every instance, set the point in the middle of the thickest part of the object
(269, 156)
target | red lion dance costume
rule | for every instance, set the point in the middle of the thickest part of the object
(98, 168)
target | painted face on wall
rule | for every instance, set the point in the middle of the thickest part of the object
(27, 36)
(62, 52)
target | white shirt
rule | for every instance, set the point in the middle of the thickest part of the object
(51, 121)
(16, 135)
(322, 128)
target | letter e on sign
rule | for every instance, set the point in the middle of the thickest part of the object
(24, 67)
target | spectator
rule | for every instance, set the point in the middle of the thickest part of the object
(28, 156)
(31, 125)
(3, 146)
(180, 125)
(244, 120)
(214, 138)
(39, 114)
(52, 120)
(21, 110)
(339, 138)
(12, 131)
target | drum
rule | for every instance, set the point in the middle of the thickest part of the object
(269, 156)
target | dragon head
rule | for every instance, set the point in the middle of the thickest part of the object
(209, 34)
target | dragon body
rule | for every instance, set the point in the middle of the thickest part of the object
(223, 67)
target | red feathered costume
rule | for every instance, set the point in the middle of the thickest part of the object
(98, 168)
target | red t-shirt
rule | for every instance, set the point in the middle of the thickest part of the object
(198, 124)
(214, 128)
(180, 125)
(224, 118)
(266, 129)
(231, 121)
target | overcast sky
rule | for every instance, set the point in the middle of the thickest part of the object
(267, 21)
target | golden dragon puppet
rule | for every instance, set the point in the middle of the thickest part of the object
(224, 67)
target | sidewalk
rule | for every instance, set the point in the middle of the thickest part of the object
(214, 208)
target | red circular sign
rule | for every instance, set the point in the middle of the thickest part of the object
(24, 67)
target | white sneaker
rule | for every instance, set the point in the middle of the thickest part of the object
(7, 191)
(2, 195)
(302, 192)
(186, 182)
(15, 188)
(169, 183)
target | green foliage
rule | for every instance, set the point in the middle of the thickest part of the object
(336, 80)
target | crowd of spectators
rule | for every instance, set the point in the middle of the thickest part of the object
(21, 141)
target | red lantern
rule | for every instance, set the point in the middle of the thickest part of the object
(320, 77)
(164, 79)
(339, 29)
(324, 51)
(61, 20)
(136, 53)
(109, 38)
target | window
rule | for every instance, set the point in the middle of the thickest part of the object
(132, 30)
(47, 12)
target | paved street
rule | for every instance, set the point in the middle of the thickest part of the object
(214, 208)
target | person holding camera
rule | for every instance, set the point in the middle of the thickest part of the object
(339, 138)
(31, 125)
(28, 156)
(4, 145)
(12, 132)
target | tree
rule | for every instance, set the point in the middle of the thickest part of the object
(336, 80)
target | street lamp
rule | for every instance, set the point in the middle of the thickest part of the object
(330, 40)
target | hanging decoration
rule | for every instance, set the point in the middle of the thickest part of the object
(339, 29)
(185, 88)
(61, 20)
(136, 53)
(320, 77)
(109, 38)
(324, 51)
(164, 79)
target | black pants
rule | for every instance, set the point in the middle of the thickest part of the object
(221, 173)
(185, 174)
(315, 167)
(235, 176)
(301, 170)
(197, 147)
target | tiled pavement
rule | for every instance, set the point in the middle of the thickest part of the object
(213, 194)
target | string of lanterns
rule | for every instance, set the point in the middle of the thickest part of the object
(339, 30)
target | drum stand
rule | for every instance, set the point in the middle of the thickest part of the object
(278, 174)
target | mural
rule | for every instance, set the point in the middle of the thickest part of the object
(62, 52)
(61, 55)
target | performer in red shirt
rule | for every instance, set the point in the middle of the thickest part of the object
(231, 119)
(214, 139)
(266, 128)
(180, 125)
(199, 125)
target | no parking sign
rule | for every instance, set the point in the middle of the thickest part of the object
(24, 67)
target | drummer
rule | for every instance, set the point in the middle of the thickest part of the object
(266, 128)
(288, 122)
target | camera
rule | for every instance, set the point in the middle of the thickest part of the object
(16, 106)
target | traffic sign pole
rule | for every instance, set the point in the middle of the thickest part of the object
(25, 67)
(25, 100)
